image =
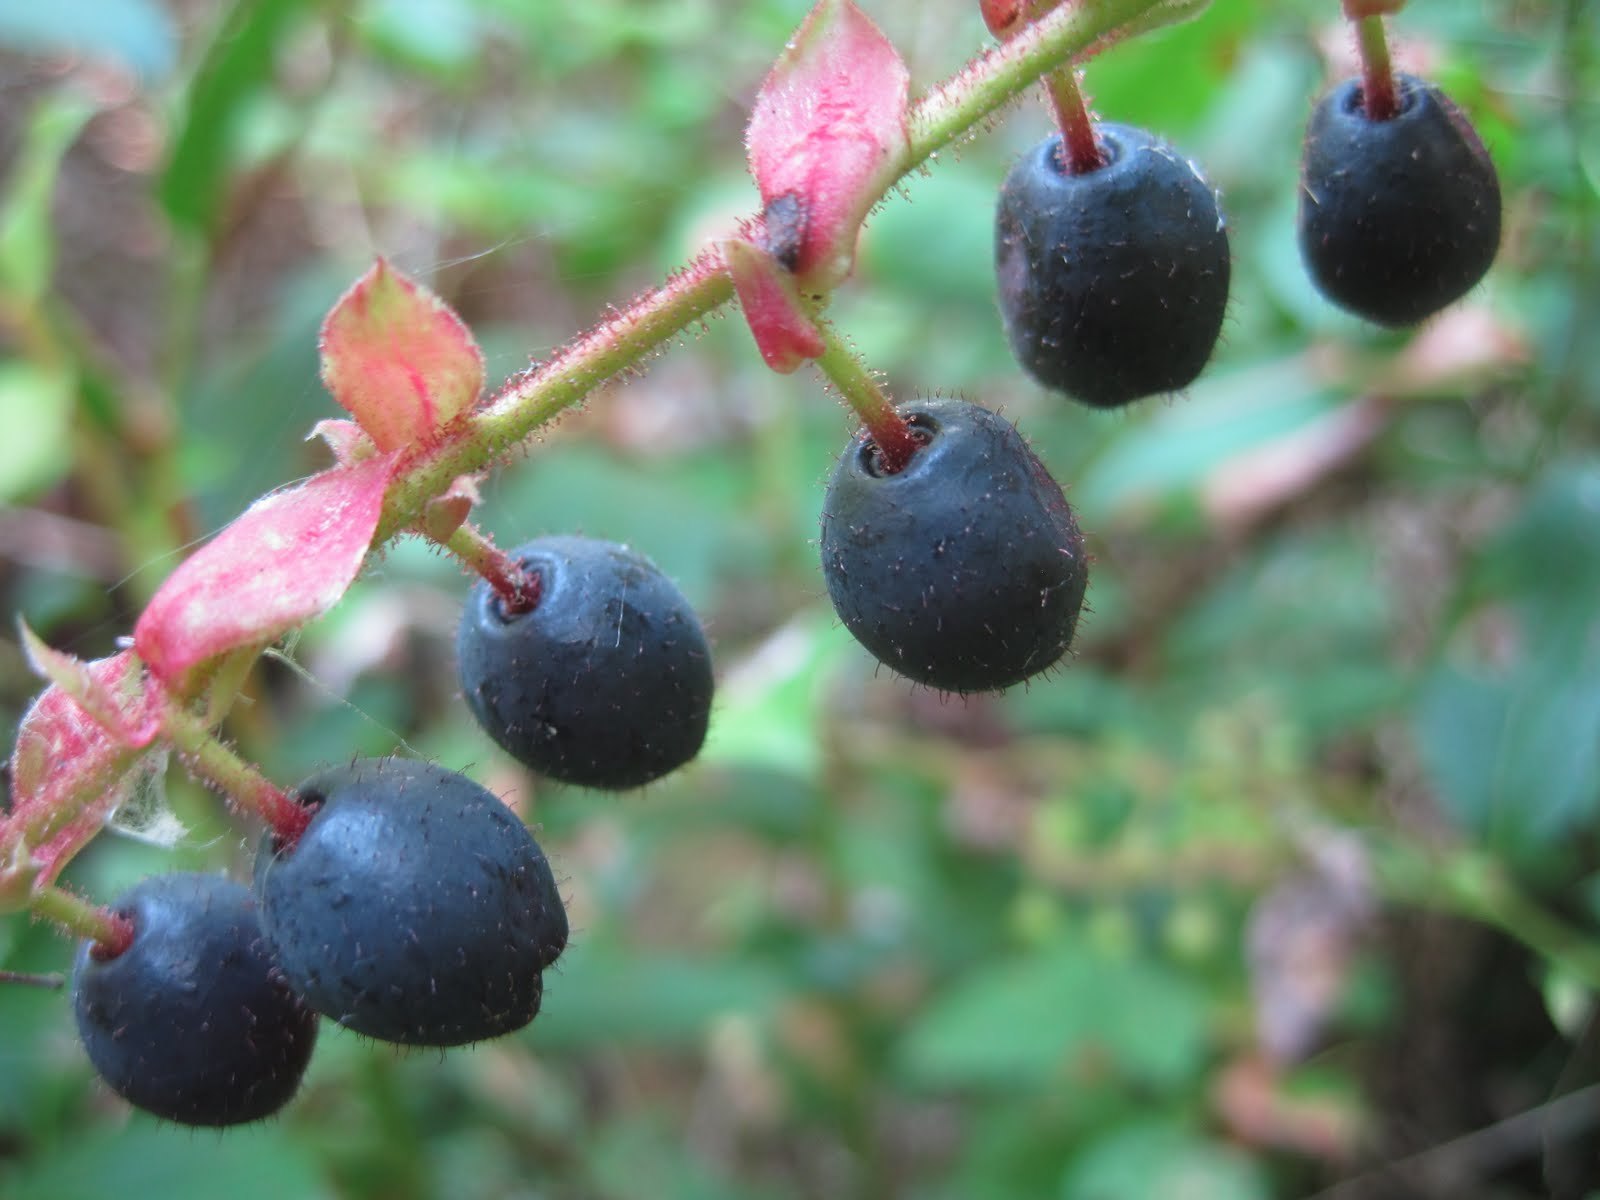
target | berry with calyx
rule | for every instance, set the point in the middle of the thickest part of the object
(1113, 282)
(964, 570)
(1398, 217)
(193, 1021)
(605, 682)
(414, 908)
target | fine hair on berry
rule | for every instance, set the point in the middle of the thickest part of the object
(1112, 282)
(606, 682)
(414, 908)
(193, 1021)
(964, 570)
(1398, 217)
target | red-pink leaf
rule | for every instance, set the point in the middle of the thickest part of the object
(94, 687)
(828, 134)
(286, 559)
(770, 298)
(399, 359)
(74, 763)
(57, 731)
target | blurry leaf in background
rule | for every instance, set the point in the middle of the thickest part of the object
(238, 66)
(137, 33)
(1169, 455)
(438, 36)
(145, 1158)
(603, 996)
(1041, 1019)
(769, 713)
(35, 411)
(1158, 1159)
(1510, 726)
(626, 1152)
(27, 238)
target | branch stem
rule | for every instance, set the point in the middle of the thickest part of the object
(1083, 153)
(633, 333)
(246, 788)
(845, 370)
(517, 589)
(1378, 94)
(111, 933)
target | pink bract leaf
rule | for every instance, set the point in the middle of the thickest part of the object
(286, 559)
(96, 690)
(74, 764)
(398, 359)
(827, 136)
(770, 299)
(444, 514)
(348, 441)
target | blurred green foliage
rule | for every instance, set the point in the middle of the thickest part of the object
(1292, 875)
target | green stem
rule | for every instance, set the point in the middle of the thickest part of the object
(845, 370)
(111, 933)
(1377, 72)
(528, 402)
(1006, 71)
(517, 589)
(1475, 886)
(247, 788)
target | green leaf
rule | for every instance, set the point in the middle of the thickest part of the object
(632, 1149)
(237, 65)
(1170, 453)
(258, 1162)
(27, 236)
(1033, 1020)
(35, 408)
(1160, 1159)
(768, 715)
(608, 996)
(1513, 746)
(137, 33)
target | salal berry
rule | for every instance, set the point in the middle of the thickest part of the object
(606, 682)
(1398, 217)
(414, 907)
(1112, 283)
(964, 570)
(193, 1021)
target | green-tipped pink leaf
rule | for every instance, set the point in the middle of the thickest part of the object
(828, 135)
(398, 359)
(286, 559)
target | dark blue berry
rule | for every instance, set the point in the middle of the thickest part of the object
(414, 908)
(193, 1021)
(965, 570)
(606, 682)
(1398, 217)
(1113, 282)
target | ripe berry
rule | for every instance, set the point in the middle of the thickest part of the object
(1400, 217)
(964, 570)
(414, 908)
(1112, 283)
(605, 682)
(193, 1021)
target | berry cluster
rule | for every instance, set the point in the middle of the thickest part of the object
(406, 903)
(413, 908)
